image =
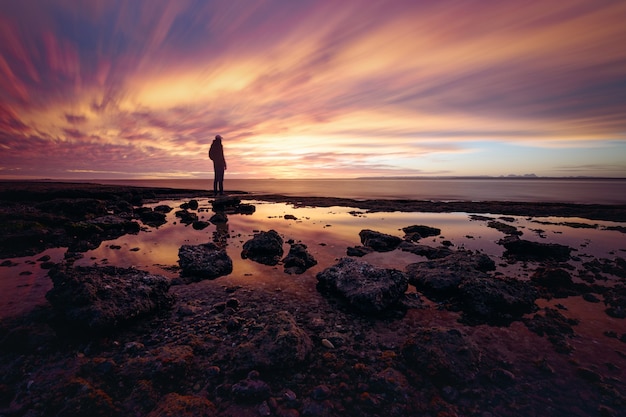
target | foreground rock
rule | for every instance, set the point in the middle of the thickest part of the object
(265, 248)
(104, 297)
(281, 344)
(205, 261)
(367, 289)
(417, 232)
(298, 259)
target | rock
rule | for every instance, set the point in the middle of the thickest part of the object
(367, 288)
(358, 251)
(392, 383)
(556, 282)
(507, 229)
(534, 251)
(496, 301)
(442, 277)
(223, 203)
(290, 217)
(615, 299)
(426, 251)
(281, 344)
(153, 218)
(163, 208)
(245, 209)
(176, 405)
(204, 261)
(298, 259)
(380, 242)
(251, 390)
(416, 232)
(444, 355)
(103, 297)
(265, 248)
(200, 225)
(219, 218)
(193, 204)
(186, 217)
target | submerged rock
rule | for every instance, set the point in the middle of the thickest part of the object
(204, 261)
(416, 232)
(103, 297)
(367, 288)
(380, 242)
(265, 248)
(298, 259)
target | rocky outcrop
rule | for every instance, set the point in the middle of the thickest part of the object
(416, 232)
(496, 301)
(265, 248)
(298, 259)
(367, 289)
(424, 250)
(204, 261)
(527, 250)
(441, 277)
(104, 297)
(380, 242)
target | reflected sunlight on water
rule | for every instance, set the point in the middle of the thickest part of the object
(327, 232)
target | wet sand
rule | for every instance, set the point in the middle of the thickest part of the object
(186, 361)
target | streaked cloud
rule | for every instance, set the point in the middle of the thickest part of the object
(310, 88)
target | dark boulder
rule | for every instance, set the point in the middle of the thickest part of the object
(367, 289)
(103, 297)
(186, 217)
(298, 259)
(380, 242)
(265, 248)
(152, 217)
(441, 277)
(204, 261)
(358, 251)
(496, 301)
(225, 203)
(219, 218)
(534, 251)
(417, 232)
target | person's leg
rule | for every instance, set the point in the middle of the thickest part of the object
(216, 171)
(219, 176)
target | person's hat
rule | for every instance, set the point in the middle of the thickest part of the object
(218, 137)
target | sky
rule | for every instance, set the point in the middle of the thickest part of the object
(110, 89)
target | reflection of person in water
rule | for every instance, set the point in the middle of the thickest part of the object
(216, 153)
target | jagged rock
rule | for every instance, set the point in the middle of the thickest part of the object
(426, 251)
(507, 229)
(204, 261)
(298, 259)
(496, 301)
(245, 209)
(536, 251)
(251, 390)
(281, 344)
(615, 300)
(380, 242)
(442, 277)
(367, 288)
(445, 355)
(186, 217)
(200, 225)
(224, 203)
(265, 248)
(417, 232)
(103, 297)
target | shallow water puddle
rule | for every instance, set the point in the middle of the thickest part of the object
(327, 232)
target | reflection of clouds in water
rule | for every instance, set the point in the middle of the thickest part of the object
(328, 232)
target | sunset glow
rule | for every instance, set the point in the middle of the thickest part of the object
(312, 88)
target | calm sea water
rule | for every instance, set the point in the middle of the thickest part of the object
(587, 191)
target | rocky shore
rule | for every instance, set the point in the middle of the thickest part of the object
(447, 335)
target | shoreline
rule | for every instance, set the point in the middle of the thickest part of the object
(266, 342)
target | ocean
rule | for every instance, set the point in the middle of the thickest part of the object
(557, 190)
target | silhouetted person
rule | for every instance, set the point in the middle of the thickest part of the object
(216, 153)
